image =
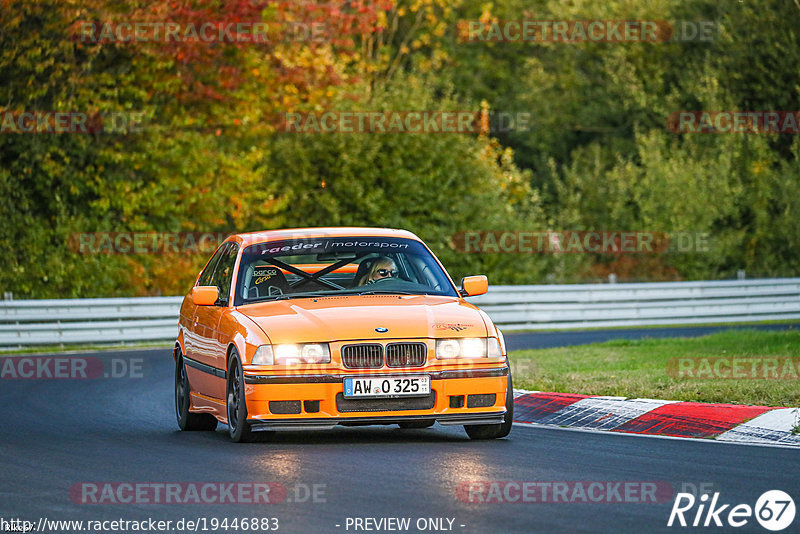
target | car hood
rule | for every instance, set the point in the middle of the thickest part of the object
(356, 317)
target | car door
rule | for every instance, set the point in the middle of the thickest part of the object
(189, 308)
(211, 344)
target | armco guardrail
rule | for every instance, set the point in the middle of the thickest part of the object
(642, 304)
(88, 321)
(534, 307)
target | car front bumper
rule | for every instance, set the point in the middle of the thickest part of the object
(315, 401)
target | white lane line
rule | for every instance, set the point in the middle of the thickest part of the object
(774, 426)
(653, 436)
(521, 392)
(602, 413)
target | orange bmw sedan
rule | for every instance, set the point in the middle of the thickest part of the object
(312, 328)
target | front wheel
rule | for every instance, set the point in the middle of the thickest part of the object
(186, 419)
(238, 426)
(499, 430)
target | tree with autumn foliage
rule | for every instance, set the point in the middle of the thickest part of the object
(207, 157)
(204, 158)
(196, 163)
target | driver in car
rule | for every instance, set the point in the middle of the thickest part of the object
(382, 267)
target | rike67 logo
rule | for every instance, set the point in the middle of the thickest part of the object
(774, 510)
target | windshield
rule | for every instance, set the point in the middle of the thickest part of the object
(338, 266)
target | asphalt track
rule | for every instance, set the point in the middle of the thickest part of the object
(59, 433)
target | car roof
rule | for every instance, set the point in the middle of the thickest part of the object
(250, 238)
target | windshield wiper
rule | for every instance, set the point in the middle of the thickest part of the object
(288, 296)
(387, 292)
(352, 293)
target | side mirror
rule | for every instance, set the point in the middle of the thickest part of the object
(205, 295)
(474, 285)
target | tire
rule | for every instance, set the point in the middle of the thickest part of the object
(499, 430)
(416, 424)
(238, 427)
(187, 420)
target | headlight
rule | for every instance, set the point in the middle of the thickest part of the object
(494, 350)
(502, 341)
(263, 355)
(447, 349)
(292, 354)
(473, 348)
(302, 353)
(468, 347)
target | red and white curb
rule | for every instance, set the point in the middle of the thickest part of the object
(723, 422)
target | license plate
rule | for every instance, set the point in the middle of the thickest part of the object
(387, 386)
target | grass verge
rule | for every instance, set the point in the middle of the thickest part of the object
(640, 368)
